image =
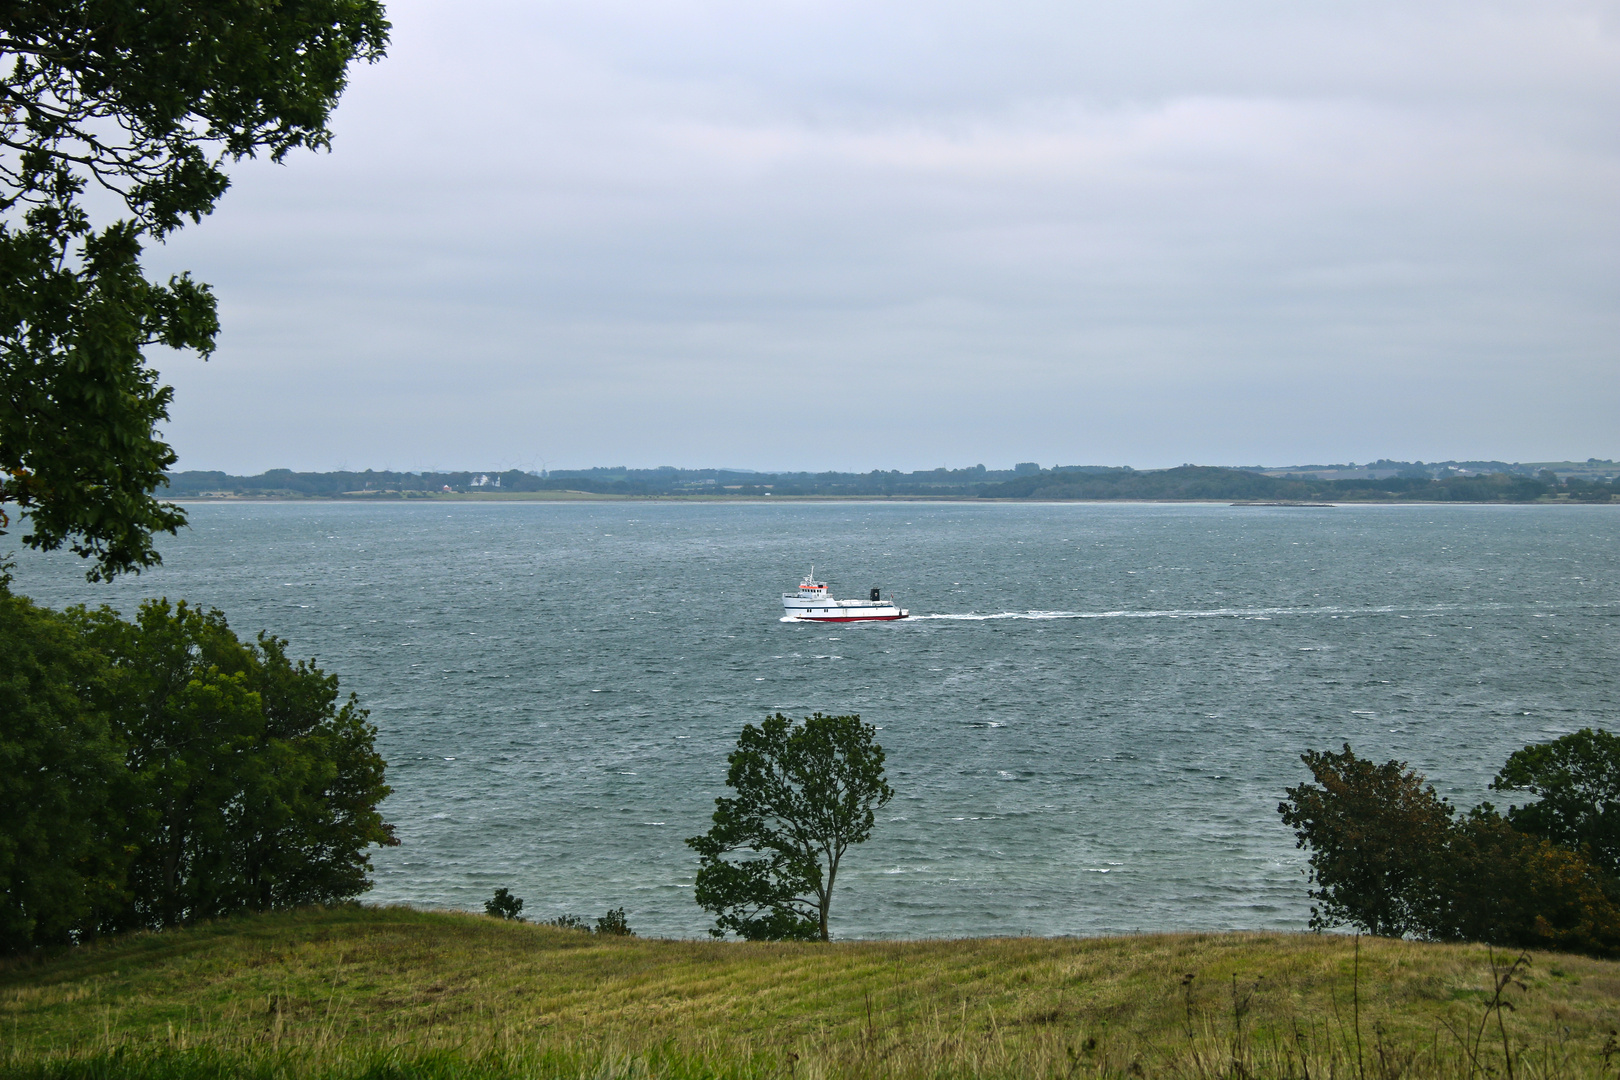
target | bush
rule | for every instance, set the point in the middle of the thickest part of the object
(614, 924)
(503, 905)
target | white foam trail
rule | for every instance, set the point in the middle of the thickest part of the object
(1213, 613)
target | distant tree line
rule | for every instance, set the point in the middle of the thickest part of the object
(1026, 481)
(604, 481)
(1200, 482)
(1390, 856)
(159, 770)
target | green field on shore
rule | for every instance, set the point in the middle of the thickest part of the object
(357, 992)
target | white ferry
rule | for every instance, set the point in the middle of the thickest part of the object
(812, 603)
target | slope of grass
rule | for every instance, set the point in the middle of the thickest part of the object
(394, 992)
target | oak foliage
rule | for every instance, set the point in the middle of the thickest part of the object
(803, 794)
(159, 770)
(146, 102)
(1390, 856)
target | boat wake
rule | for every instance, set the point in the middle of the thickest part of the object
(1212, 613)
(1260, 614)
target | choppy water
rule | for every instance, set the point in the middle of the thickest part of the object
(1089, 726)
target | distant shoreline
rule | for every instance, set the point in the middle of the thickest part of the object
(587, 496)
(1591, 482)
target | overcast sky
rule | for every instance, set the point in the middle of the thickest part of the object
(900, 235)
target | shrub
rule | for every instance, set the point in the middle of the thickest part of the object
(503, 905)
(614, 924)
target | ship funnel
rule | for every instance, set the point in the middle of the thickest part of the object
(876, 594)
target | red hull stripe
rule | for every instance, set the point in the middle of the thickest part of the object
(852, 618)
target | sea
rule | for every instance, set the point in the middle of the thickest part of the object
(1089, 719)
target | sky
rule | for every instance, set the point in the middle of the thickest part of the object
(838, 235)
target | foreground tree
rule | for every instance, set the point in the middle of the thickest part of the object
(1388, 855)
(61, 769)
(1510, 888)
(1374, 832)
(1577, 783)
(258, 789)
(159, 770)
(803, 795)
(147, 101)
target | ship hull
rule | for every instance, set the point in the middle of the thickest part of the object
(885, 617)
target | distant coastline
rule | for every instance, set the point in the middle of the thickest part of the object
(730, 500)
(1593, 481)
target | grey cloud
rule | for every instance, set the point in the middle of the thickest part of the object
(1151, 233)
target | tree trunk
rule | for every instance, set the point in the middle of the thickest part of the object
(826, 894)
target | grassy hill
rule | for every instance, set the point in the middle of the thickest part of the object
(362, 992)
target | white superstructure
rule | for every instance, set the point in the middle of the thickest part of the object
(813, 603)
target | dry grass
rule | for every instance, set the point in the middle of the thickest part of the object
(364, 992)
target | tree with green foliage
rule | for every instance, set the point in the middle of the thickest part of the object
(1576, 780)
(258, 789)
(1374, 832)
(1388, 855)
(1510, 888)
(159, 770)
(147, 102)
(63, 783)
(804, 793)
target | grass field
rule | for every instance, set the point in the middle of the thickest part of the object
(375, 992)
